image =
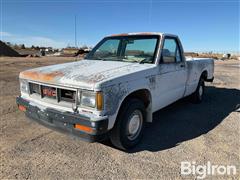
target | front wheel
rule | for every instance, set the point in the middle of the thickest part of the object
(197, 96)
(128, 130)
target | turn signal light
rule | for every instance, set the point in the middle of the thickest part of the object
(83, 128)
(22, 108)
(99, 99)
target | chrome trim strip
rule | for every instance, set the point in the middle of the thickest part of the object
(50, 85)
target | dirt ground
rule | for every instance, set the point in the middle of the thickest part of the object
(183, 131)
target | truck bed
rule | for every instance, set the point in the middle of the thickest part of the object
(195, 67)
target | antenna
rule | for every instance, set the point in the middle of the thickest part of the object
(75, 31)
(75, 28)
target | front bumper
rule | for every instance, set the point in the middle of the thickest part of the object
(66, 121)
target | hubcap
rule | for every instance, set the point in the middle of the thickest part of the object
(135, 124)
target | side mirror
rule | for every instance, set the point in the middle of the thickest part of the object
(168, 59)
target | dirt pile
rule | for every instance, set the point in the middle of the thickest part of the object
(5, 50)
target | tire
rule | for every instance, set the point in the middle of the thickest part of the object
(197, 96)
(129, 126)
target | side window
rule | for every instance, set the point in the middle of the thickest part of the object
(170, 51)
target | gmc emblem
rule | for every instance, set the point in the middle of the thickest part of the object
(49, 92)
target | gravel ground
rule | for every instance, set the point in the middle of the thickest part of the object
(181, 132)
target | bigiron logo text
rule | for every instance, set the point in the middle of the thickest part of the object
(202, 171)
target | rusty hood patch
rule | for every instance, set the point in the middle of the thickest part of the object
(38, 76)
(84, 73)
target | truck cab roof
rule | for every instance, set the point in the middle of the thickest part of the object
(143, 33)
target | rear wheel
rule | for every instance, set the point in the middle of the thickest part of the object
(197, 96)
(128, 130)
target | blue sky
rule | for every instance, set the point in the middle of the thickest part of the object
(201, 25)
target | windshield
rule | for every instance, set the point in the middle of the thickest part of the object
(140, 49)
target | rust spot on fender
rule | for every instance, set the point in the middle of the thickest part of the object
(38, 76)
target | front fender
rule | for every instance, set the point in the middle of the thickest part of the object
(114, 96)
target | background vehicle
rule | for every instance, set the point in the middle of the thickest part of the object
(116, 89)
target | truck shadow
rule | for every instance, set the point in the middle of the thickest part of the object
(183, 121)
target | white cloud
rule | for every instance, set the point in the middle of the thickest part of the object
(40, 41)
(6, 34)
(32, 40)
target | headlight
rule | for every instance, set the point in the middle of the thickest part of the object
(23, 86)
(88, 99)
(91, 99)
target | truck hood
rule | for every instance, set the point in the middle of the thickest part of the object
(85, 73)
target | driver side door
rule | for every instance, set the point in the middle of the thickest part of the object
(172, 74)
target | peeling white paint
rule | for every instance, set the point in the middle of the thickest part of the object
(165, 82)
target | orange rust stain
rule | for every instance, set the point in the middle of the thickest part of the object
(41, 76)
(123, 34)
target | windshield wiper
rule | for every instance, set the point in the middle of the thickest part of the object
(144, 61)
(136, 61)
(123, 60)
(98, 58)
(104, 59)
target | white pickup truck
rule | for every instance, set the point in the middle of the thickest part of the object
(116, 89)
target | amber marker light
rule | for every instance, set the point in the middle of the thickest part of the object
(99, 100)
(22, 108)
(83, 128)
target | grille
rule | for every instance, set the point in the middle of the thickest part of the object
(52, 93)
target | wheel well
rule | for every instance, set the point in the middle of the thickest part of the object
(143, 95)
(204, 75)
